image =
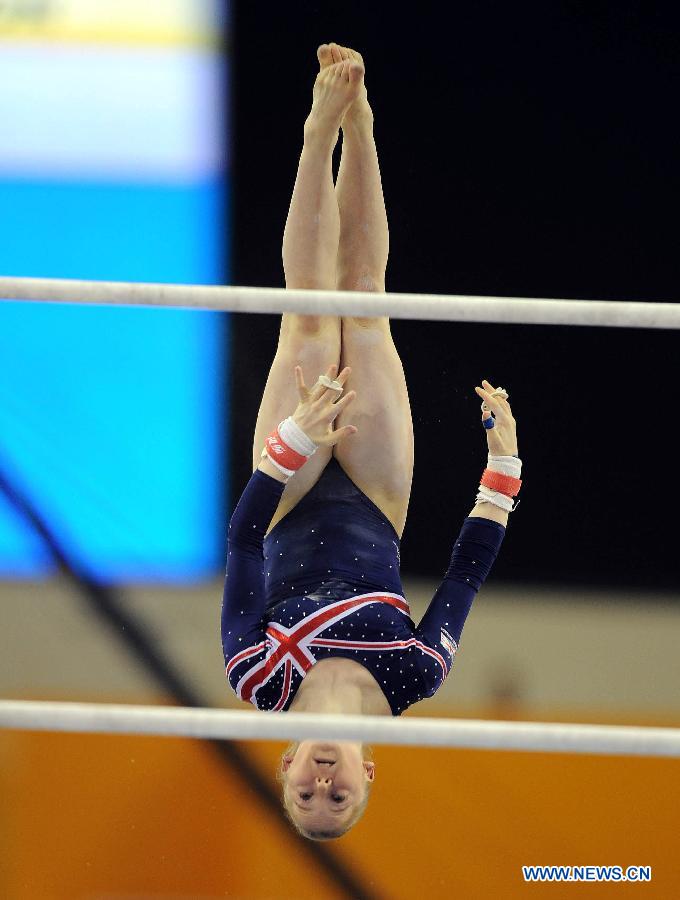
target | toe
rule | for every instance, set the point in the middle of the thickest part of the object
(335, 50)
(356, 72)
(324, 55)
(335, 71)
(344, 52)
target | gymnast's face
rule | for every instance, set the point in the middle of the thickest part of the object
(325, 784)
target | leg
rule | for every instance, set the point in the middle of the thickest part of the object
(364, 235)
(310, 246)
(380, 459)
(314, 343)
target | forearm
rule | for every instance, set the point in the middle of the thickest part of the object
(473, 554)
(255, 509)
(270, 469)
(244, 598)
(489, 511)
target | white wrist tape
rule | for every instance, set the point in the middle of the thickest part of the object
(506, 465)
(277, 465)
(486, 495)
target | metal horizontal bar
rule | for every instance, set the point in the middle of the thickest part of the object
(409, 731)
(454, 308)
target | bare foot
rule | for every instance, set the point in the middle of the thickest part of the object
(360, 111)
(337, 86)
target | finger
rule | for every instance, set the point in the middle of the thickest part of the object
(321, 393)
(303, 391)
(344, 375)
(491, 402)
(490, 388)
(338, 407)
(319, 389)
(485, 395)
(339, 435)
(331, 394)
(489, 391)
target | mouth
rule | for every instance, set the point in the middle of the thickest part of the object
(325, 762)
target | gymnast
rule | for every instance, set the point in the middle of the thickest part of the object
(313, 617)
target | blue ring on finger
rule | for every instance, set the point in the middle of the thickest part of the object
(489, 423)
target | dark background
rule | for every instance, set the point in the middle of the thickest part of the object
(526, 151)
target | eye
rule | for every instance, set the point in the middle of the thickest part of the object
(305, 796)
(337, 798)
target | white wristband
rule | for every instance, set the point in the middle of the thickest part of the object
(294, 436)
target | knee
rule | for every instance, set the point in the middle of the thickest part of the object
(304, 328)
(366, 330)
(363, 282)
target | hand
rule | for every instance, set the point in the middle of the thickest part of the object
(316, 410)
(502, 438)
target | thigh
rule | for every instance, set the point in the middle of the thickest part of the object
(313, 343)
(379, 458)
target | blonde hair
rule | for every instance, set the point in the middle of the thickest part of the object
(320, 835)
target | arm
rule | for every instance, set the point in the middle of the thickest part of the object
(474, 552)
(243, 602)
(489, 511)
(479, 541)
(244, 599)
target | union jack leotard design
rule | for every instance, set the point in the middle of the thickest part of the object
(325, 582)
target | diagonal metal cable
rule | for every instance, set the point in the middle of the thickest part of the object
(104, 601)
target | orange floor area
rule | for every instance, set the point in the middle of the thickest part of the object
(87, 816)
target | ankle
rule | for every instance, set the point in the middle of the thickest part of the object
(358, 122)
(318, 134)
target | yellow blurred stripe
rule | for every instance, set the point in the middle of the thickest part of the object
(164, 23)
(152, 37)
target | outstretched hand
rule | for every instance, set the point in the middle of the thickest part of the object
(317, 408)
(502, 438)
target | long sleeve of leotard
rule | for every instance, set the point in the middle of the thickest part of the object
(474, 552)
(243, 602)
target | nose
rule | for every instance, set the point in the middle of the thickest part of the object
(324, 782)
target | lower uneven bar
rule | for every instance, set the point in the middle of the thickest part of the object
(416, 732)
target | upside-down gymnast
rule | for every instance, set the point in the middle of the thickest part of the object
(314, 617)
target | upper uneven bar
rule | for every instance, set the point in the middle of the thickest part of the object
(500, 310)
(415, 732)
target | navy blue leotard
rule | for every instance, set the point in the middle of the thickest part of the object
(325, 582)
